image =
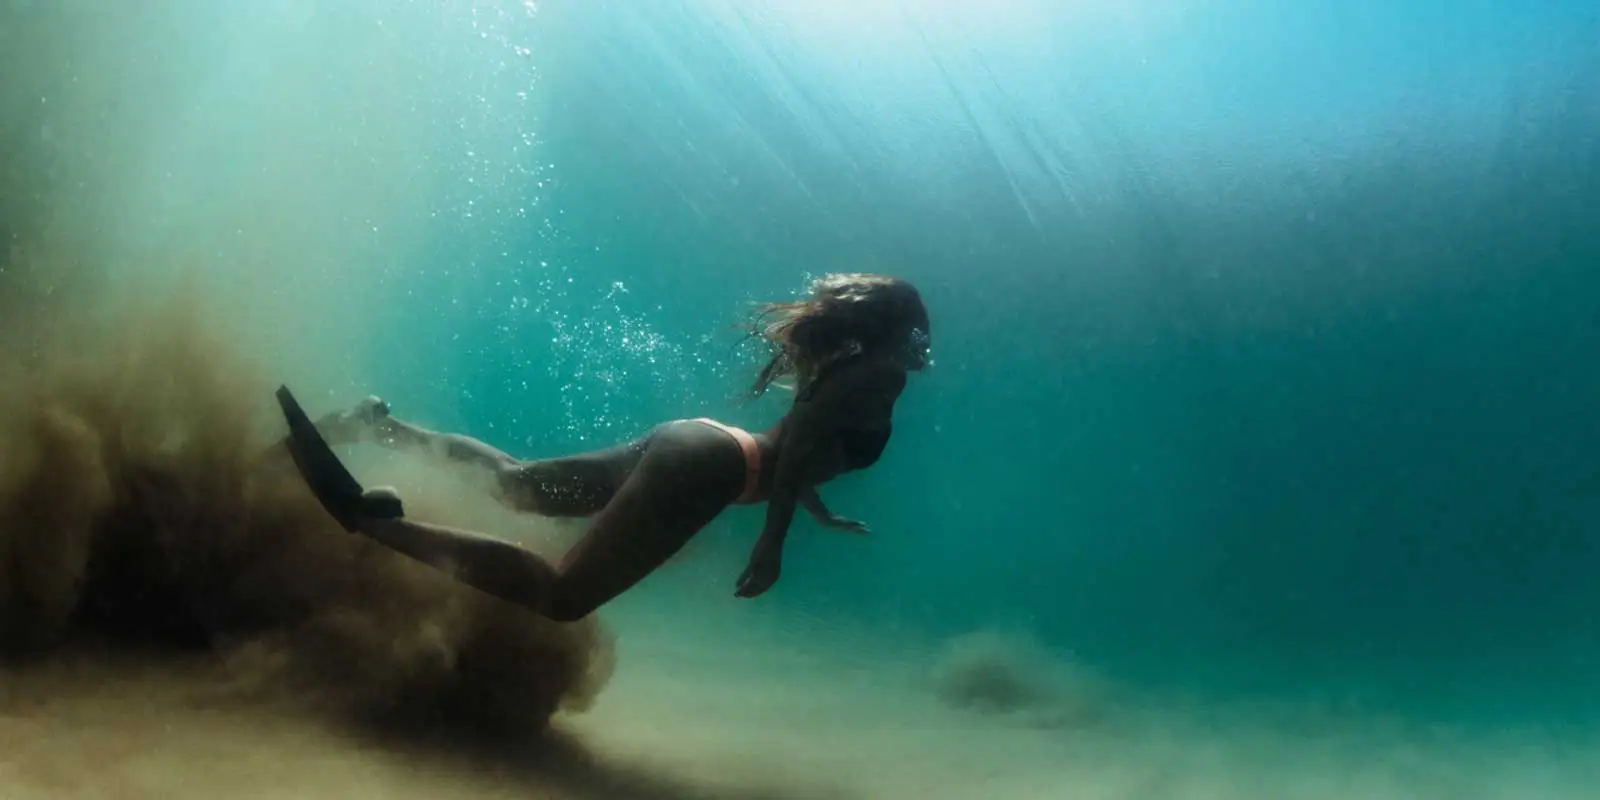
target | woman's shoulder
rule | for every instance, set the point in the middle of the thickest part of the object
(867, 374)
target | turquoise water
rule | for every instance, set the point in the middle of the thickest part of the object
(1264, 333)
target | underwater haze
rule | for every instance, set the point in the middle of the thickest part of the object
(1257, 459)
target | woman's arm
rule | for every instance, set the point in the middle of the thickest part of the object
(795, 452)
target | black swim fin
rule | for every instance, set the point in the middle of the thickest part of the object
(334, 487)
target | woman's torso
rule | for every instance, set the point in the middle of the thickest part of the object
(853, 406)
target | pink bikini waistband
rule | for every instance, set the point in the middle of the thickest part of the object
(752, 458)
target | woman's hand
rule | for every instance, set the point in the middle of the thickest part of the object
(812, 501)
(848, 525)
(766, 562)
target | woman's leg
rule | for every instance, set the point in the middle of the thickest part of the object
(496, 567)
(369, 420)
(571, 486)
(686, 476)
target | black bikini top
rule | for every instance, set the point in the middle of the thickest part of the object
(862, 446)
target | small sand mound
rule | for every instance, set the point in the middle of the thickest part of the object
(996, 673)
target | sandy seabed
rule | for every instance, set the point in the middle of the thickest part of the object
(684, 718)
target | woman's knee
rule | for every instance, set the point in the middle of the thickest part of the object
(564, 606)
(517, 486)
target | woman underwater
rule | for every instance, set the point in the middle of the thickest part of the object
(847, 347)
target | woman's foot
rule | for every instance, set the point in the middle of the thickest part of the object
(352, 425)
(382, 502)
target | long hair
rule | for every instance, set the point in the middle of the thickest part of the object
(845, 314)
